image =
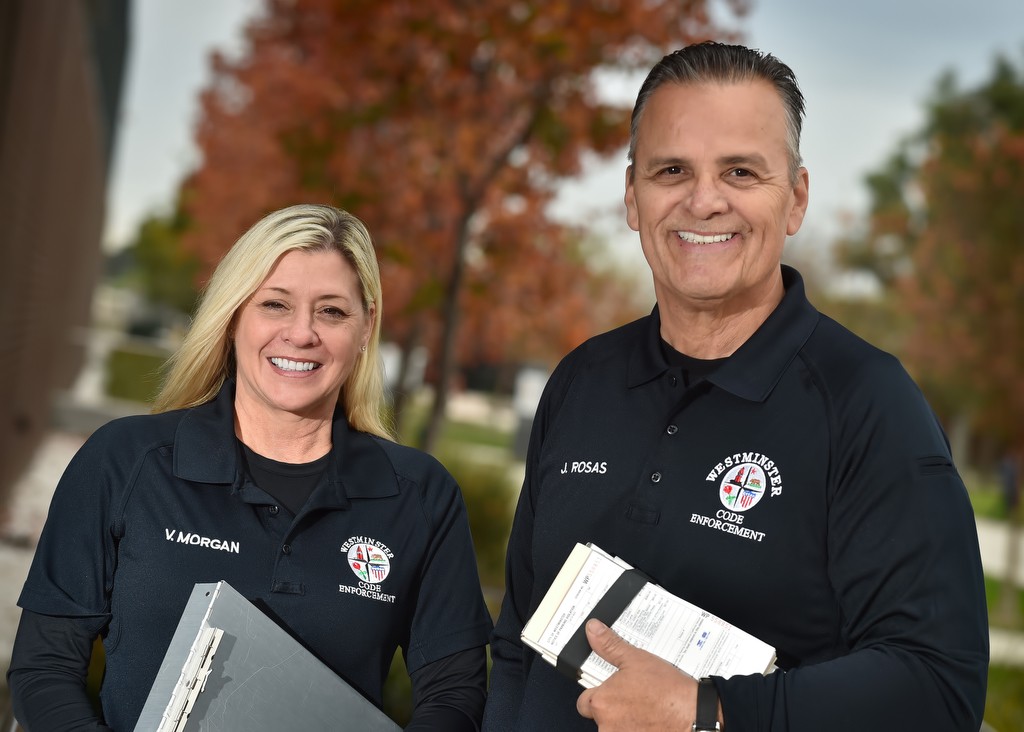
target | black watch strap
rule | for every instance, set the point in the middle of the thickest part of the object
(707, 707)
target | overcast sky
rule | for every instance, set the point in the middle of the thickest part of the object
(866, 68)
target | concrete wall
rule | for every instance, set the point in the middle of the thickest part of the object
(58, 99)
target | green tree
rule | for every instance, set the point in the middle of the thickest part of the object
(164, 270)
(944, 238)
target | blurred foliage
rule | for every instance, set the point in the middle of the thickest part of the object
(133, 375)
(159, 270)
(490, 496)
(943, 243)
(398, 692)
(1004, 706)
(994, 589)
(166, 271)
(988, 503)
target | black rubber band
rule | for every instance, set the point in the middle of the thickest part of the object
(607, 610)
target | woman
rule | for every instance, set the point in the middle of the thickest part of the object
(266, 464)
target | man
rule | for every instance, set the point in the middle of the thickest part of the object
(754, 458)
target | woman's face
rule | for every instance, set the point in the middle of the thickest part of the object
(299, 335)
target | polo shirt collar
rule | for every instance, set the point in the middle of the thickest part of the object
(647, 362)
(756, 367)
(205, 448)
(206, 451)
(359, 468)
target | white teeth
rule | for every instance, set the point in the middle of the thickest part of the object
(286, 365)
(698, 239)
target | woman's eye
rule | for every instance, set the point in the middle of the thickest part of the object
(273, 305)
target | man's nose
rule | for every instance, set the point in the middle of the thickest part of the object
(706, 198)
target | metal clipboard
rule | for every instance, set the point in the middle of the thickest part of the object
(230, 668)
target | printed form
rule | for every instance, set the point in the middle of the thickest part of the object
(692, 639)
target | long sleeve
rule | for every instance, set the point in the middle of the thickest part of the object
(47, 677)
(448, 695)
(904, 564)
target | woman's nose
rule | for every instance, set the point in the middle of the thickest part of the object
(301, 330)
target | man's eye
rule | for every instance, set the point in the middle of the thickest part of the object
(741, 173)
(672, 170)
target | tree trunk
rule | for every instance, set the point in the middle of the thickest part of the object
(400, 393)
(1009, 605)
(449, 330)
(1009, 612)
(960, 437)
(472, 195)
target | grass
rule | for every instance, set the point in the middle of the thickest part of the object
(455, 434)
(1004, 707)
(134, 376)
(994, 589)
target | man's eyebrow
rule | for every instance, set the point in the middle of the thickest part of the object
(666, 162)
(756, 160)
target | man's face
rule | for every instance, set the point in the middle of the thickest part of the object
(711, 196)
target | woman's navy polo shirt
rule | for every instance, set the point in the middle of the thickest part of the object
(379, 558)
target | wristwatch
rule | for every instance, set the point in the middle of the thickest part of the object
(707, 707)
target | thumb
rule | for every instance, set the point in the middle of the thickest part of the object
(606, 643)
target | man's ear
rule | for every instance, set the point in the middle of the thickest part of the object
(801, 194)
(632, 217)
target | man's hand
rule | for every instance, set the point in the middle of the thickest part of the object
(646, 693)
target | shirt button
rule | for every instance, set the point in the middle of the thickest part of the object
(287, 549)
(655, 477)
(672, 429)
(673, 380)
(273, 510)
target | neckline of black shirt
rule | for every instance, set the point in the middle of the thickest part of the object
(291, 484)
(693, 369)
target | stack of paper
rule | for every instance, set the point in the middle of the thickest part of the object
(592, 583)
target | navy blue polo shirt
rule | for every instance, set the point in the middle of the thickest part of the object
(804, 491)
(380, 557)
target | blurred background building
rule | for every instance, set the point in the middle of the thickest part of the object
(61, 69)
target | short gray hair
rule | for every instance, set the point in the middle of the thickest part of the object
(713, 62)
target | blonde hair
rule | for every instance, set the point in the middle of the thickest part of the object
(198, 369)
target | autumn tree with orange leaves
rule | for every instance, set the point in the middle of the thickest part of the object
(446, 126)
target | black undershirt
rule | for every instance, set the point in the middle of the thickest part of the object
(694, 369)
(291, 484)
